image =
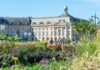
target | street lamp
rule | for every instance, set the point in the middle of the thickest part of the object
(95, 18)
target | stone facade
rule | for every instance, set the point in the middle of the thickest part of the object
(16, 27)
(39, 29)
(51, 28)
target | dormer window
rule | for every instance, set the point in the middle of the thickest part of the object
(48, 22)
(20, 23)
(63, 20)
(33, 22)
(41, 22)
(59, 20)
(11, 23)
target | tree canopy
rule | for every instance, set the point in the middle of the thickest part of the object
(85, 28)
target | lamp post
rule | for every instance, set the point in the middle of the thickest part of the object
(95, 18)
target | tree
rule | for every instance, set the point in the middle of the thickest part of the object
(85, 28)
(8, 39)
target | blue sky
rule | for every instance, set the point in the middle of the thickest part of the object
(46, 8)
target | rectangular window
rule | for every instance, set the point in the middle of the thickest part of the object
(39, 29)
(63, 20)
(43, 28)
(46, 28)
(35, 28)
(51, 28)
(32, 29)
(63, 28)
(55, 28)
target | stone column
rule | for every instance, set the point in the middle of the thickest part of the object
(49, 31)
(70, 31)
(61, 32)
(45, 33)
(65, 34)
(57, 33)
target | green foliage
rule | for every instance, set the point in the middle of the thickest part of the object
(22, 52)
(91, 48)
(8, 43)
(85, 49)
(41, 43)
(6, 38)
(85, 28)
(67, 41)
(84, 45)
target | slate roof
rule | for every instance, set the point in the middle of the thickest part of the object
(15, 20)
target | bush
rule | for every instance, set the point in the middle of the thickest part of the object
(41, 44)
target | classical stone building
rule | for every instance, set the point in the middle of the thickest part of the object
(39, 29)
(53, 28)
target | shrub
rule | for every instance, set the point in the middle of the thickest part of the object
(41, 44)
(56, 47)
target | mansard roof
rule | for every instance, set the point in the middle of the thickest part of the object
(72, 19)
(15, 20)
